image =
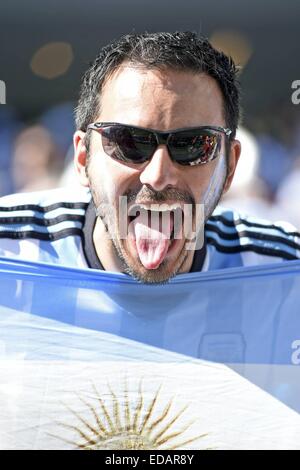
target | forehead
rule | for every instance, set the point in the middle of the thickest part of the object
(161, 99)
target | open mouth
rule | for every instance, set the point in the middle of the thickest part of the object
(155, 231)
(158, 218)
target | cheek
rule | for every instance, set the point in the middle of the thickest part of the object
(218, 177)
(101, 178)
(110, 179)
(209, 180)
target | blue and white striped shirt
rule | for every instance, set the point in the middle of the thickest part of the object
(48, 226)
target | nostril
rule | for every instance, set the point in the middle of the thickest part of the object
(160, 172)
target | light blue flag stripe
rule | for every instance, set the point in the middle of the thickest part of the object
(242, 317)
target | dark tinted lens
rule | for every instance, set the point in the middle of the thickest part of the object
(128, 144)
(190, 148)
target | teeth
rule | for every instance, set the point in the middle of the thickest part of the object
(153, 207)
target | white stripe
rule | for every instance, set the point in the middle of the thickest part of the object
(40, 229)
(48, 215)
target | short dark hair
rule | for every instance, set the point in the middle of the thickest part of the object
(183, 51)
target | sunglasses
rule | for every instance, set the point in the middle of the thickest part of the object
(188, 146)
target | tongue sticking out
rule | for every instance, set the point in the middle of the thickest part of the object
(152, 235)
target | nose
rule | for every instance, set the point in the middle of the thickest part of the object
(161, 171)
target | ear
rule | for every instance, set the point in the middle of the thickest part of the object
(80, 157)
(234, 155)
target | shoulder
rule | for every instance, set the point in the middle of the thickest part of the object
(42, 215)
(232, 233)
(47, 198)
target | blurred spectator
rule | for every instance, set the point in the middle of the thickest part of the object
(9, 127)
(248, 193)
(276, 134)
(275, 161)
(288, 195)
(37, 162)
(59, 121)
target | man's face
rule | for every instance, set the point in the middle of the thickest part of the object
(161, 100)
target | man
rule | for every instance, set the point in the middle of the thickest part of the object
(155, 149)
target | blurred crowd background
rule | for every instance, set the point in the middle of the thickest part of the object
(45, 48)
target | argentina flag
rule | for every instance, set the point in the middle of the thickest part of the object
(95, 360)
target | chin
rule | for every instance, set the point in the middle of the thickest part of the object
(168, 269)
(156, 276)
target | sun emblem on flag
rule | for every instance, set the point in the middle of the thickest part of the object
(129, 426)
